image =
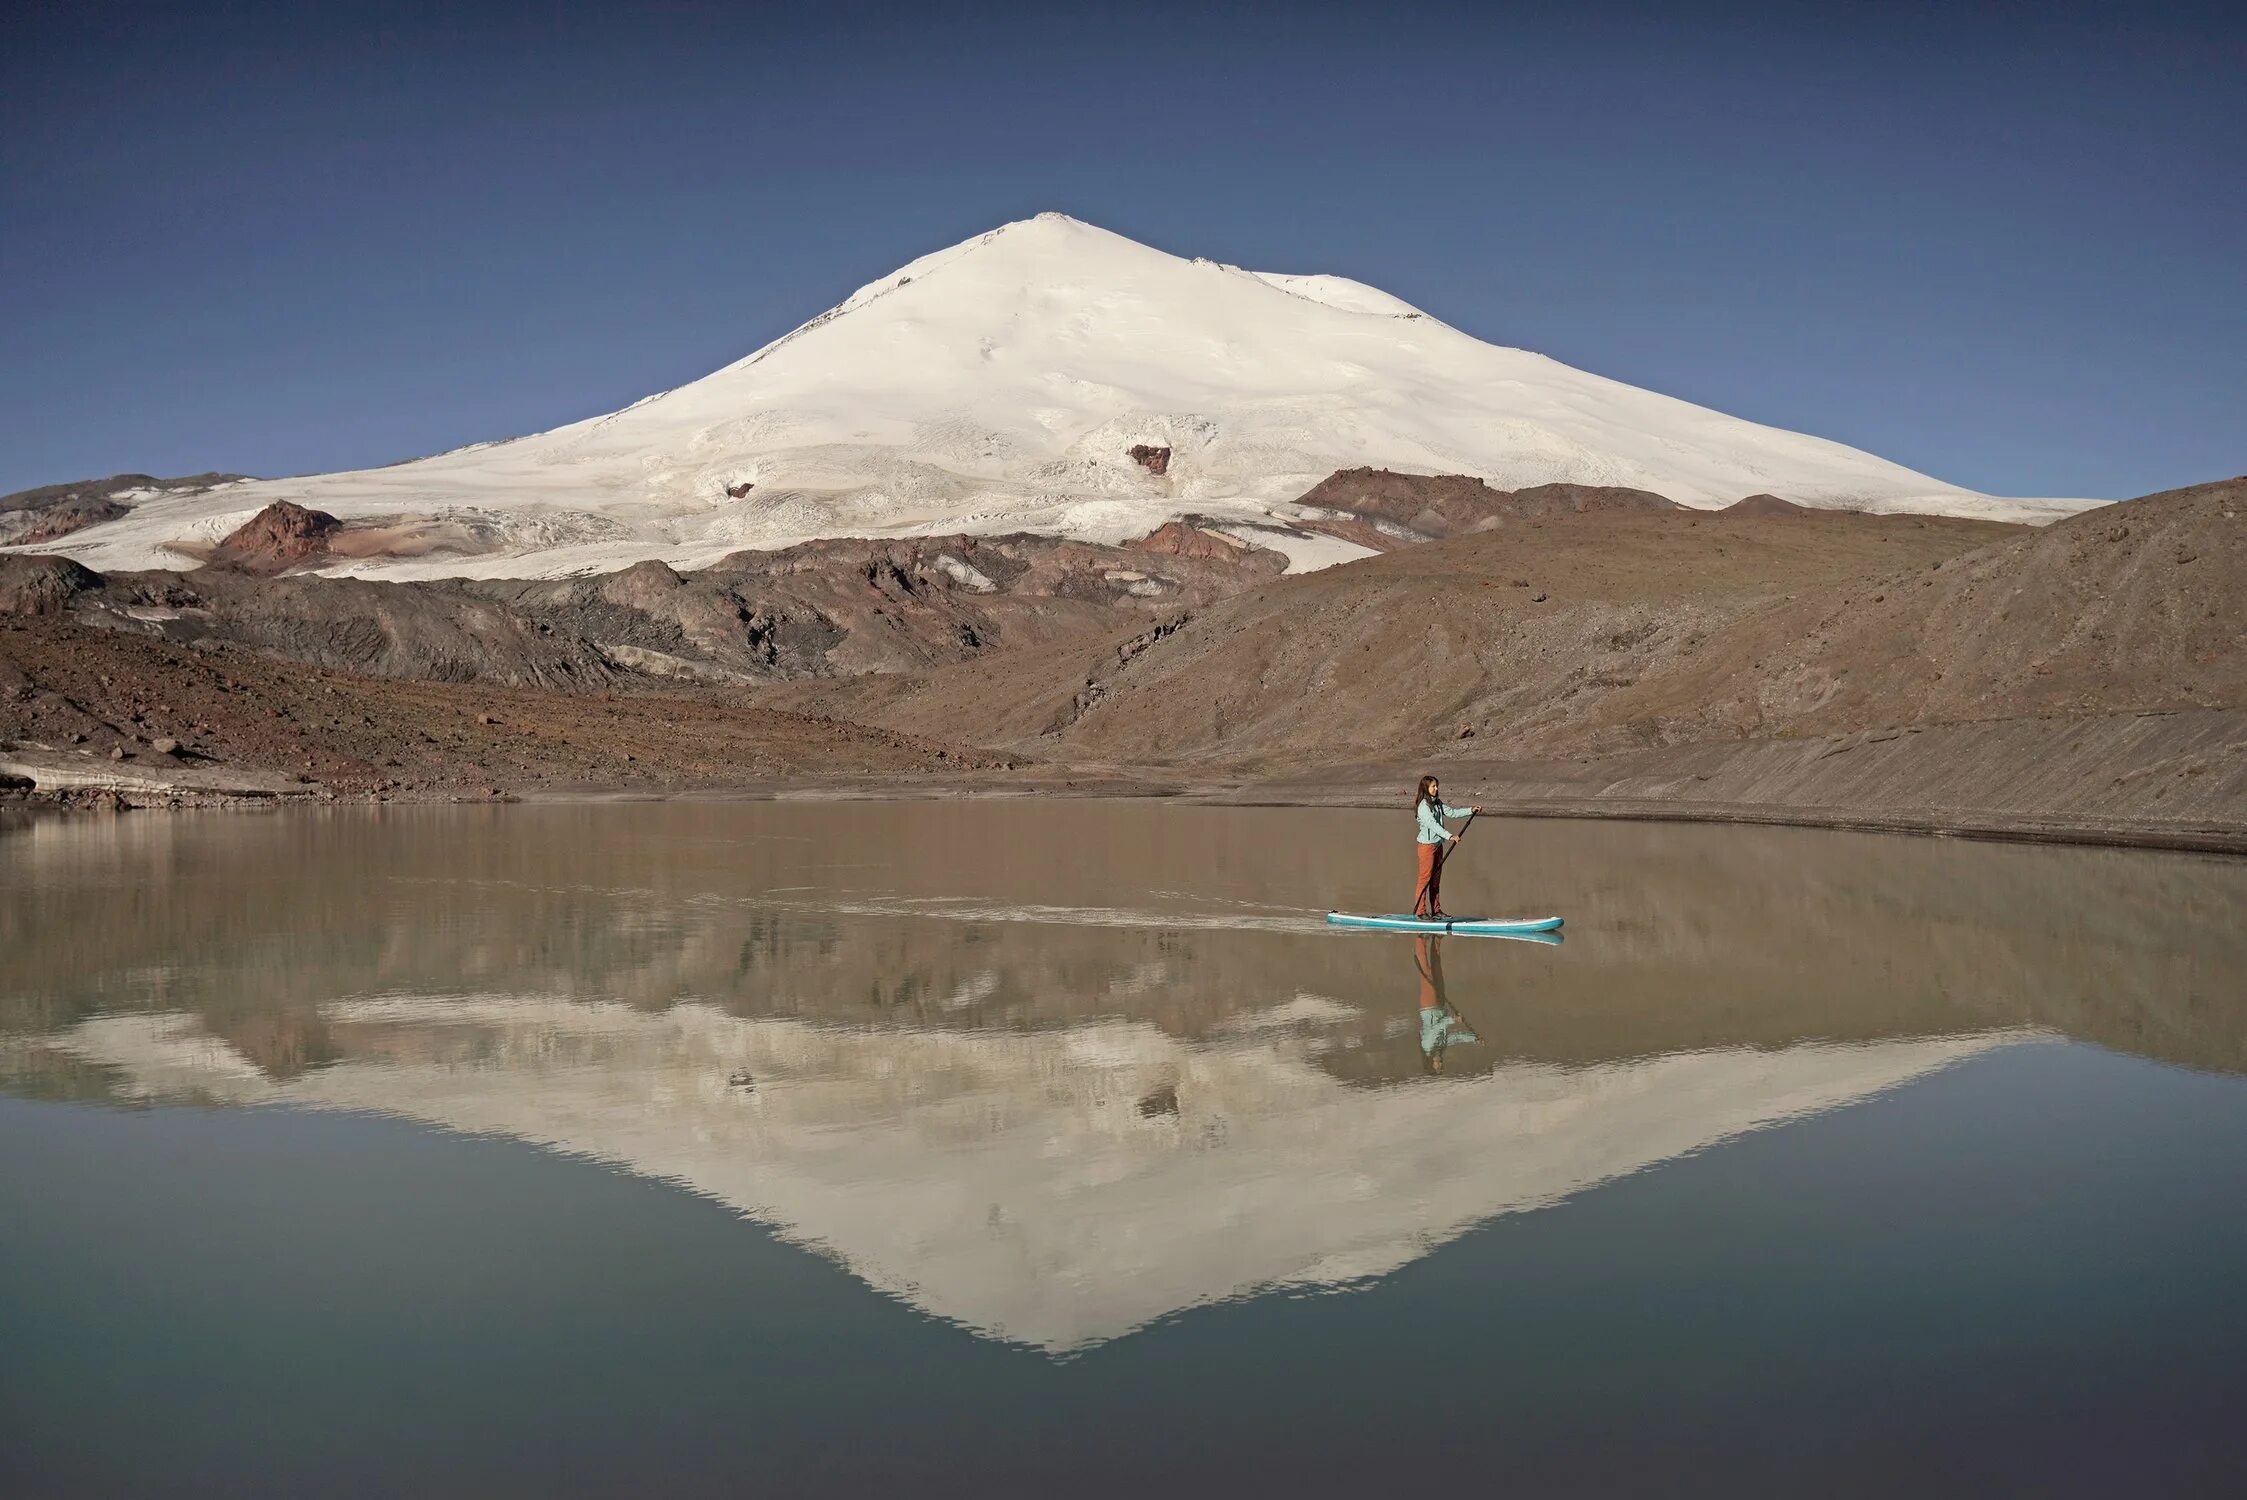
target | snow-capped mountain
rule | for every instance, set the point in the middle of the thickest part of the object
(1003, 384)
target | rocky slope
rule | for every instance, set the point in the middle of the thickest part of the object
(2142, 607)
(824, 608)
(143, 719)
(1594, 633)
(1521, 637)
(1383, 511)
(175, 684)
(1925, 670)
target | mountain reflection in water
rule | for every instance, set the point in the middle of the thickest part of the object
(1013, 1183)
(1054, 1071)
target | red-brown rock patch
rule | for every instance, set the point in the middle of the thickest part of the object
(282, 536)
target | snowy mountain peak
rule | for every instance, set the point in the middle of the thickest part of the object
(1003, 384)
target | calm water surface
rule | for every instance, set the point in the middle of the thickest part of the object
(970, 1148)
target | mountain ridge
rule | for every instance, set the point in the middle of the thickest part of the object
(1001, 385)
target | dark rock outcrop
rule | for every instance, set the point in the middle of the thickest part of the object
(42, 585)
(1384, 510)
(1584, 500)
(1181, 539)
(1765, 505)
(641, 585)
(1155, 460)
(276, 539)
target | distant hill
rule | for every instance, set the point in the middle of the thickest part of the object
(54, 511)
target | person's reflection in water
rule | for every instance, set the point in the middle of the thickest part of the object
(1441, 1025)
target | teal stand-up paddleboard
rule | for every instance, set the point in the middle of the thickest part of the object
(1533, 929)
(1463, 926)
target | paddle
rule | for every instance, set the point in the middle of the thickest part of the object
(1436, 873)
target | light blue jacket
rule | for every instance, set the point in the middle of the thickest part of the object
(1432, 814)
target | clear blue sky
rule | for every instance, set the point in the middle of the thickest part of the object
(2007, 248)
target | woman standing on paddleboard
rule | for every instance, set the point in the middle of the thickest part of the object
(1430, 813)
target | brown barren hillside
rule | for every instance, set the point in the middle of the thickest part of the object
(1592, 634)
(2136, 607)
(81, 705)
(1520, 636)
(2089, 679)
(828, 608)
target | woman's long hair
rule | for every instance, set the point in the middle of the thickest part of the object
(1422, 795)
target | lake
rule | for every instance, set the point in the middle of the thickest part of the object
(976, 1147)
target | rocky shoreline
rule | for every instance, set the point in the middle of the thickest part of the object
(32, 784)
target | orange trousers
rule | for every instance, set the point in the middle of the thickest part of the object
(1428, 888)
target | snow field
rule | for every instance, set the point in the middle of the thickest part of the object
(997, 385)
